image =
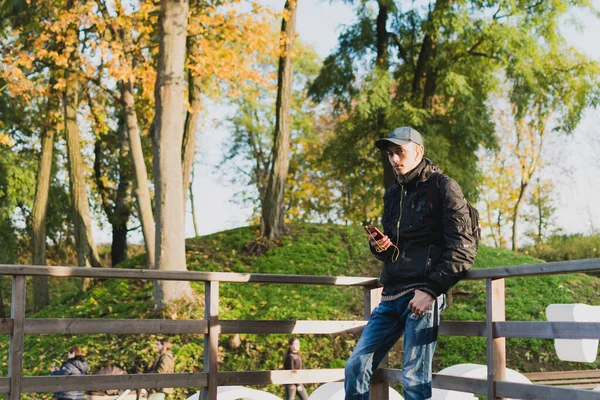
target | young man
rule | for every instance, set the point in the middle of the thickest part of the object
(427, 247)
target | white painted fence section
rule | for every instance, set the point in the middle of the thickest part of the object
(238, 392)
(335, 391)
(578, 350)
(475, 371)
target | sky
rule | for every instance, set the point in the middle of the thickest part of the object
(319, 23)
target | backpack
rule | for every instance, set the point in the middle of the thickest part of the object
(473, 213)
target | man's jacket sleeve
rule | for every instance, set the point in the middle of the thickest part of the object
(459, 249)
(387, 200)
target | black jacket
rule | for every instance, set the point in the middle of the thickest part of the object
(73, 366)
(436, 245)
(292, 361)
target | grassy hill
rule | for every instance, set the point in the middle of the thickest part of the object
(310, 249)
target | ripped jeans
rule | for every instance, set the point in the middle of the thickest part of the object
(388, 322)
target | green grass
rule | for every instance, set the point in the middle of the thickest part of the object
(309, 249)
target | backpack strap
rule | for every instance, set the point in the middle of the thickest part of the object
(434, 188)
(433, 194)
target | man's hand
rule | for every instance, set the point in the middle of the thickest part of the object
(380, 245)
(420, 303)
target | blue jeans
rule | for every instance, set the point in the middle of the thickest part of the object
(388, 322)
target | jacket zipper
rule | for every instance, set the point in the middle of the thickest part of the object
(429, 261)
(397, 249)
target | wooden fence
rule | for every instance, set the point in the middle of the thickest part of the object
(495, 329)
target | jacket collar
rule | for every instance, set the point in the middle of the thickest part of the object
(420, 173)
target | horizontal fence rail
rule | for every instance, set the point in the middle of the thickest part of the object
(495, 329)
(192, 276)
(551, 268)
(113, 326)
(103, 382)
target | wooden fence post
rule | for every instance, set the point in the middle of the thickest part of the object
(15, 357)
(211, 340)
(496, 347)
(372, 297)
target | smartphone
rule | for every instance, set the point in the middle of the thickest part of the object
(372, 230)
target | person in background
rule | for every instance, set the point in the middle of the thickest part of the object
(75, 365)
(108, 369)
(164, 364)
(293, 361)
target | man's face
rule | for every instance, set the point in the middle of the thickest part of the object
(405, 158)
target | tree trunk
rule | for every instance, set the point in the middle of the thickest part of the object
(168, 140)
(41, 297)
(515, 216)
(424, 69)
(122, 210)
(529, 164)
(382, 63)
(118, 248)
(117, 214)
(383, 57)
(190, 131)
(142, 190)
(430, 86)
(87, 254)
(193, 205)
(424, 55)
(273, 212)
(541, 217)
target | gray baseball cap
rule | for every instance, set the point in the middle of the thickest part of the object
(400, 136)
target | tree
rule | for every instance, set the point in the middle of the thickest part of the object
(549, 96)
(17, 181)
(45, 49)
(30, 114)
(222, 45)
(40, 208)
(112, 173)
(308, 196)
(219, 37)
(496, 195)
(508, 172)
(273, 210)
(194, 219)
(31, 87)
(168, 140)
(524, 124)
(87, 254)
(542, 209)
(445, 60)
(100, 44)
(529, 146)
(142, 190)
(190, 130)
(124, 61)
